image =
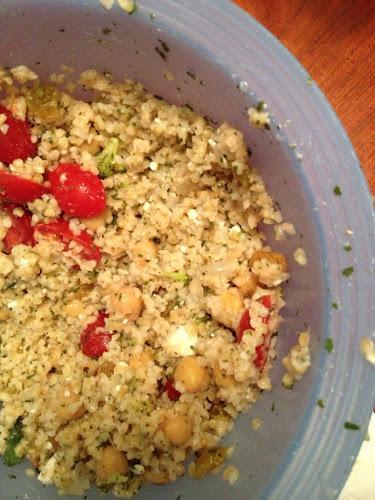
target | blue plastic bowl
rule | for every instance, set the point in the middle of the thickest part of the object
(301, 451)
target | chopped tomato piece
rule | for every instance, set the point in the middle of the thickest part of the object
(18, 189)
(93, 342)
(16, 142)
(172, 393)
(21, 231)
(79, 193)
(59, 229)
(266, 300)
(261, 356)
(243, 326)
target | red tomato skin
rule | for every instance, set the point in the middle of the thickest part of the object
(60, 229)
(243, 325)
(261, 356)
(18, 189)
(266, 300)
(16, 143)
(93, 343)
(21, 231)
(172, 393)
(79, 193)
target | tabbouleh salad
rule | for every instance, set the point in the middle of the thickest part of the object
(139, 298)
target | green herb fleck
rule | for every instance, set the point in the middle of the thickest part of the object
(12, 284)
(273, 406)
(132, 384)
(351, 426)
(106, 159)
(309, 81)
(202, 319)
(178, 276)
(152, 16)
(191, 74)
(347, 247)
(348, 271)
(337, 190)
(320, 403)
(260, 106)
(335, 305)
(14, 437)
(106, 31)
(12, 476)
(328, 345)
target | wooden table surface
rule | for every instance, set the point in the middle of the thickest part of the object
(335, 42)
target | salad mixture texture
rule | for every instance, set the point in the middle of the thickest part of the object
(139, 299)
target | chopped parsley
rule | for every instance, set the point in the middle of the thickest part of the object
(337, 190)
(309, 81)
(335, 305)
(348, 271)
(178, 276)
(347, 247)
(351, 426)
(320, 403)
(328, 345)
(152, 16)
(14, 437)
(106, 159)
(260, 106)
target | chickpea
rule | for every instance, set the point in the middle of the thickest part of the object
(127, 301)
(157, 477)
(273, 257)
(191, 374)
(177, 429)
(111, 462)
(246, 282)
(94, 223)
(4, 314)
(139, 360)
(146, 249)
(107, 367)
(221, 380)
(227, 307)
(73, 308)
(68, 409)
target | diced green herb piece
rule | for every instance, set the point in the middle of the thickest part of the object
(260, 106)
(328, 345)
(348, 271)
(337, 191)
(335, 305)
(14, 437)
(152, 16)
(106, 159)
(309, 81)
(347, 247)
(202, 319)
(351, 426)
(320, 403)
(178, 276)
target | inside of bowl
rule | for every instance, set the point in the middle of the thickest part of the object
(44, 34)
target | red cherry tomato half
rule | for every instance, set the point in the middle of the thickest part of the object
(243, 325)
(21, 231)
(16, 143)
(172, 393)
(19, 190)
(59, 229)
(78, 193)
(93, 342)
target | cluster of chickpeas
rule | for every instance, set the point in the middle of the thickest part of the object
(189, 375)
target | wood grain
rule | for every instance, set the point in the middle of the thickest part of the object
(335, 42)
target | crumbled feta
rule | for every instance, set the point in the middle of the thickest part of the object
(367, 348)
(153, 166)
(181, 341)
(23, 74)
(300, 256)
